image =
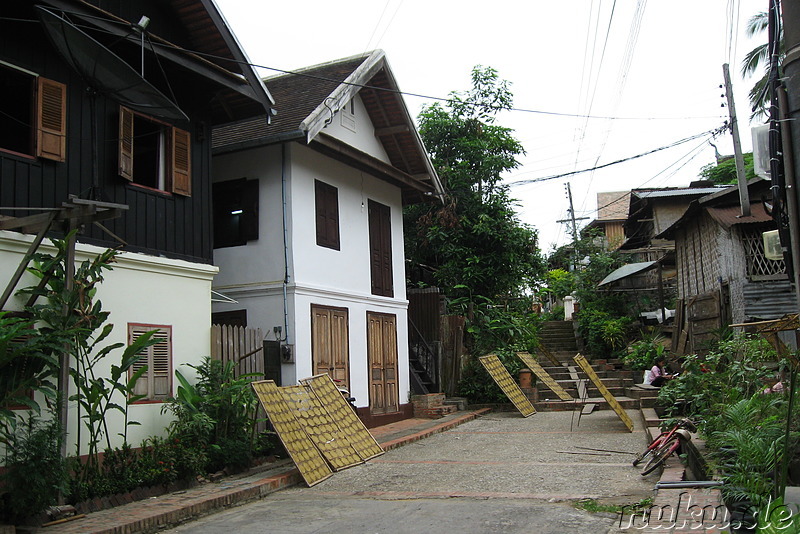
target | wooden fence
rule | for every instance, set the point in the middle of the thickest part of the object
(245, 348)
(242, 346)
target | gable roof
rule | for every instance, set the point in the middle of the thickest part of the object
(207, 48)
(722, 205)
(307, 99)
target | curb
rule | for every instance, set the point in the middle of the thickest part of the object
(176, 508)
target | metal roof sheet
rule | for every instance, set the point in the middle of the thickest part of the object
(731, 215)
(627, 270)
(691, 191)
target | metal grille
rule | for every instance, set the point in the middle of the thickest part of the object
(758, 266)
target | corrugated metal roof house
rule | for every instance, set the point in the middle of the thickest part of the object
(723, 276)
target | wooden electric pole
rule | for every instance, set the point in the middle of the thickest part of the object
(741, 178)
(572, 220)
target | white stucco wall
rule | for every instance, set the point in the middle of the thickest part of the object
(253, 274)
(363, 138)
(139, 289)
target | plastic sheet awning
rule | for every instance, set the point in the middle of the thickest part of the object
(628, 270)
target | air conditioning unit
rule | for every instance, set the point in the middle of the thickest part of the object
(761, 150)
(772, 245)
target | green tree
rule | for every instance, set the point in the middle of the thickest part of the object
(758, 59)
(473, 242)
(724, 172)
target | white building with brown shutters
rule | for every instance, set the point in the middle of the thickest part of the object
(308, 227)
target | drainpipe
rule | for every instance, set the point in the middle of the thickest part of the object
(284, 173)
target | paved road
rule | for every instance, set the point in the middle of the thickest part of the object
(500, 473)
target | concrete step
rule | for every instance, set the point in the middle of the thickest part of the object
(459, 402)
(559, 405)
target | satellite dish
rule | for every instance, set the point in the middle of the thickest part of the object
(106, 72)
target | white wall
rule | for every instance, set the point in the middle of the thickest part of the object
(260, 262)
(363, 138)
(347, 269)
(139, 289)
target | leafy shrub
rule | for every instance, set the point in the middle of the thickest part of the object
(35, 471)
(723, 376)
(478, 386)
(604, 334)
(560, 283)
(215, 416)
(747, 441)
(644, 353)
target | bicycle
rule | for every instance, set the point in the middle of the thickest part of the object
(664, 445)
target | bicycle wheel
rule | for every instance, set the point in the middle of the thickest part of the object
(661, 454)
(644, 455)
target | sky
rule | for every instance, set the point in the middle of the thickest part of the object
(594, 81)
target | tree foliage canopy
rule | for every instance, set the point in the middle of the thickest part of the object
(724, 172)
(473, 242)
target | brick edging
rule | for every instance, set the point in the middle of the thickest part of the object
(152, 521)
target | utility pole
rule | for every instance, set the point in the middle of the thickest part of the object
(741, 178)
(572, 220)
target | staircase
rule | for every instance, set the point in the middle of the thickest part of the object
(558, 338)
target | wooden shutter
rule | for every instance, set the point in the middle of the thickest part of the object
(155, 383)
(181, 162)
(326, 205)
(248, 225)
(380, 249)
(51, 120)
(126, 143)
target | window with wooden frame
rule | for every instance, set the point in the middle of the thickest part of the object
(380, 249)
(326, 205)
(156, 382)
(33, 114)
(154, 154)
(235, 212)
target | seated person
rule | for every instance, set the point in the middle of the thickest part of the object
(657, 374)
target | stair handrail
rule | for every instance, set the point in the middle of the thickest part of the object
(429, 362)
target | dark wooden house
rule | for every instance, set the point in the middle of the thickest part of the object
(110, 105)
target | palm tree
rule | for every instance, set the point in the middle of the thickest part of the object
(758, 58)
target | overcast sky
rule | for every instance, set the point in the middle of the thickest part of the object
(647, 75)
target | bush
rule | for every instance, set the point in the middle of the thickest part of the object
(35, 471)
(478, 386)
(725, 375)
(604, 334)
(643, 354)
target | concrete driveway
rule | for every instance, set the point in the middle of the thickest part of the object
(499, 473)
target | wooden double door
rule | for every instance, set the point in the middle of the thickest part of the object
(330, 353)
(330, 350)
(382, 362)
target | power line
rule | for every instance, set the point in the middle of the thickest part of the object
(710, 133)
(384, 89)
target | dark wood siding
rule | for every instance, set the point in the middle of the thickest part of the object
(157, 222)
